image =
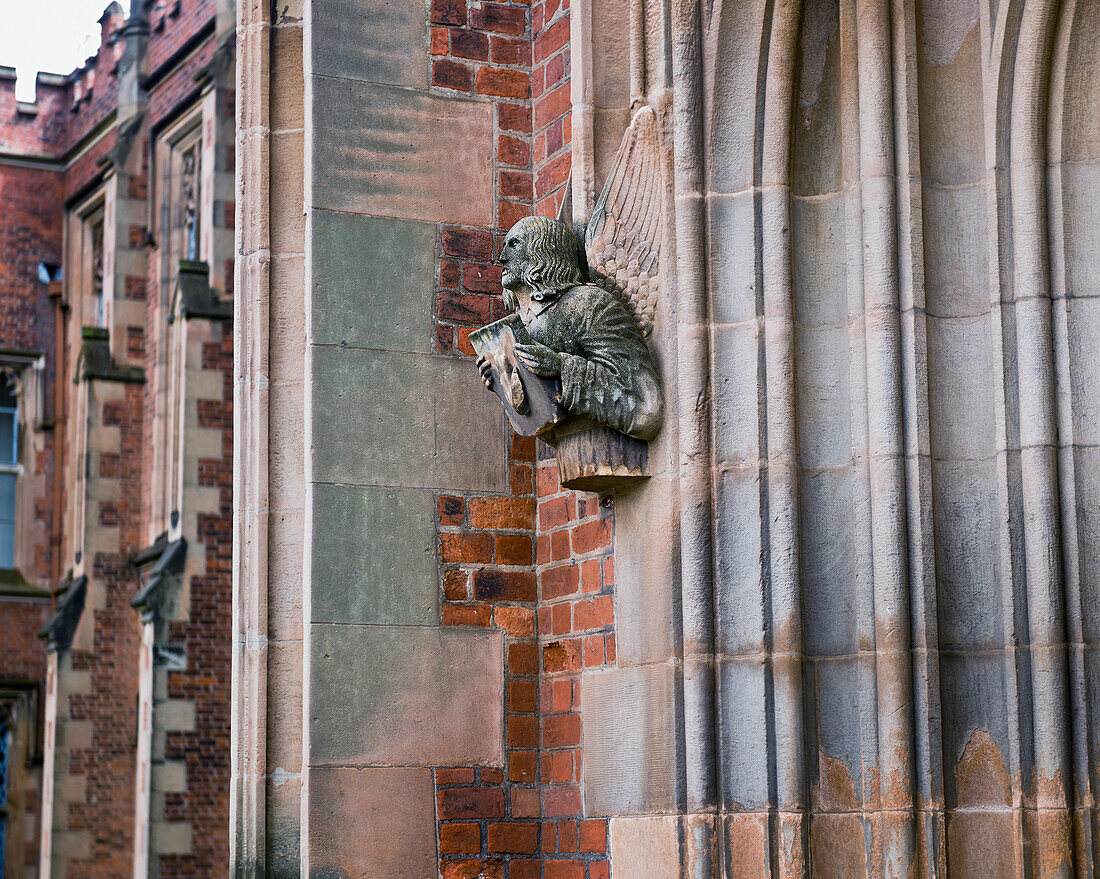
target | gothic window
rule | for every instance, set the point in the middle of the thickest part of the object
(96, 236)
(181, 211)
(189, 200)
(88, 262)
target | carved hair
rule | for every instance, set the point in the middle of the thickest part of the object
(553, 255)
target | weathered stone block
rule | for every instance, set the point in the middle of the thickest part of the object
(844, 706)
(647, 575)
(371, 407)
(747, 846)
(405, 695)
(733, 257)
(1087, 470)
(743, 734)
(611, 60)
(965, 519)
(737, 353)
(957, 274)
(837, 846)
(819, 260)
(378, 41)
(739, 588)
(287, 73)
(630, 740)
(952, 130)
(645, 847)
(373, 281)
(283, 808)
(374, 556)
(170, 837)
(961, 390)
(983, 844)
(1080, 183)
(974, 696)
(824, 397)
(395, 152)
(372, 822)
(828, 561)
(1084, 357)
(733, 142)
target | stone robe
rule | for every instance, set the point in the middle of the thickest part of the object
(607, 372)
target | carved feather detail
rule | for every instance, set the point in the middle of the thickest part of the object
(623, 238)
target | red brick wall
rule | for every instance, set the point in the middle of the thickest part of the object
(551, 104)
(23, 659)
(483, 51)
(207, 637)
(488, 818)
(527, 820)
(21, 653)
(93, 93)
(108, 765)
(34, 201)
(576, 574)
(39, 133)
(180, 84)
(29, 234)
(172, 23)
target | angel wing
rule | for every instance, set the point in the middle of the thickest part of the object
(623, 238)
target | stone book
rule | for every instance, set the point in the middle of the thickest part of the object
(532, 402)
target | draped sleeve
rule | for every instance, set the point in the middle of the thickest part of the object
(611, 378)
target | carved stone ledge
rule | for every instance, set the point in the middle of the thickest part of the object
(596, 458)
(194, 297)
(58, 632)
(97, 362)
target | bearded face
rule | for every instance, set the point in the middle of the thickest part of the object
(513, 260)
(542, 255)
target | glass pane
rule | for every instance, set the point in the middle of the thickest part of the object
(7, 520)
(7, 394)
(7, 436)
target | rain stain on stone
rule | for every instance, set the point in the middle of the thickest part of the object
(1053, 845)
(837, 847)
(981, 777)
(835, 790)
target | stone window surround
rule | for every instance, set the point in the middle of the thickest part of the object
(80, 286)
(28, 371)
(172, 144)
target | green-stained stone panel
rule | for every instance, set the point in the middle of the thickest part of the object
(374, 556)
(411, 420)
(373, 281)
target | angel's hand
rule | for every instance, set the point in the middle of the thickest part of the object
(486, 370)
(540, 359)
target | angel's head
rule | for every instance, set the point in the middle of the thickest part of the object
(542, 255)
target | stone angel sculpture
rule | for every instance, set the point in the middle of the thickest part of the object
(571, 364)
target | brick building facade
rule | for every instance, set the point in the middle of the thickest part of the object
(845, 627)
(116, 345)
